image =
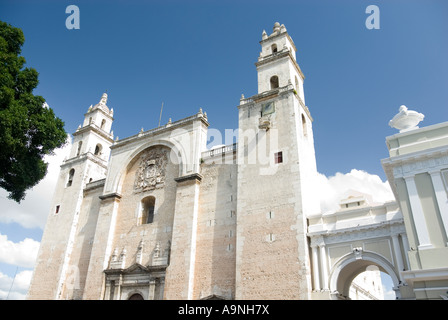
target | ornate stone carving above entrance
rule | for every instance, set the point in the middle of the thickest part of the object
(151, 170)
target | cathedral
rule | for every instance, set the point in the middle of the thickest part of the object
(158, 216)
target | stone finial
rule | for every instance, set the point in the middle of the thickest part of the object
(166, 252)
(115, 255)
(157, 250)
(276, 27)
(103, 99)
(282, 28)
(139, 255)
(264, 35)
(406, 120)
(242, 97)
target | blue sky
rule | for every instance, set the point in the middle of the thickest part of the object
(192, 54)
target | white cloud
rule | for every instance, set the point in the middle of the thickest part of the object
(32, 212)
(15, 288)
(22, 254)
(389, 294)
(335, 188)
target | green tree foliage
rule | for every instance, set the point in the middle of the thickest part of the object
(29, 130)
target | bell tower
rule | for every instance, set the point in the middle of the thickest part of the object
(95, 135)
(276, 178)
(87, 162)
(277, 65)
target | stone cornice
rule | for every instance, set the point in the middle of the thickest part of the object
(94, 185)
(417, 162)
(342, 234)
(108, 115)
(272, 94)
(279, 55)
(194, 177)
(136, 267)
(110, 196)
(96, 129)
(85, 156)
(275, 36)
(166, 128)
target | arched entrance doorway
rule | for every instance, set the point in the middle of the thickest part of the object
(136, 296)
(351, 265)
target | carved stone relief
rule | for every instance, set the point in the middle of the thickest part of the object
(152, 169)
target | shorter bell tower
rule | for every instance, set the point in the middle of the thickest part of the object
(86, 163)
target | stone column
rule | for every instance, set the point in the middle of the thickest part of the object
(404, 239)
(398, 256)
(315, 257)
(118, 288)
(418, 214)
(152, 288)
(323, 265)
(102, 246)
(180, 273)
(441, 197)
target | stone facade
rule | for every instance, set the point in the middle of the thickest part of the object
(158, 216)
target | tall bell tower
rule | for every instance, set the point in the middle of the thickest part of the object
(276, 178)
(87, 162)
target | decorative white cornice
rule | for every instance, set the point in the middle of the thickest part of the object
(371, 231)
(430, 160)
(93, 127)
(82, 157)
(156, 131)
(279, 55)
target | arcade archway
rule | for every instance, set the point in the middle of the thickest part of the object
(351, 265)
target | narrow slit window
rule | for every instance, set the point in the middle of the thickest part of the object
(304, 129)
(79, 148)
(70, 177)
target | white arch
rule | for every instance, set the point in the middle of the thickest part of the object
(119, 178)
(349, 265)
(131, 293)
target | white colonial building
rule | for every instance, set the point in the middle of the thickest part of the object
(158, 216)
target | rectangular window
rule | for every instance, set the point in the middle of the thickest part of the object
(278, 157)
(57, 209)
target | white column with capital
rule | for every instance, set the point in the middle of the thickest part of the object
(441, 196)
(323, 265)
(418, 214)
(314, 253)
(405, 241)
(398, 256)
